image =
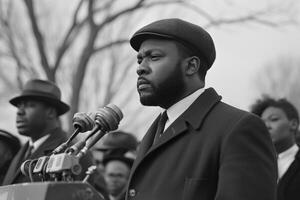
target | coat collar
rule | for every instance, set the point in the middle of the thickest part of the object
(194, 116)
(56, 137)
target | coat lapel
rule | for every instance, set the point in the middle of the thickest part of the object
(56, 137)
(193, 116)
(15, 165)
(147, 143)
(289, 175)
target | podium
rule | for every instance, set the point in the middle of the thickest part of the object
(49, 191)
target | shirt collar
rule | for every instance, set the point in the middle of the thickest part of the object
(178, 108)
(38, 142)
(292, 151)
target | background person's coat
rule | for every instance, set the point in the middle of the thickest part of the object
(289, 184)
(213, 151)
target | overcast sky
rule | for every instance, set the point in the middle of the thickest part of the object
(242, 53)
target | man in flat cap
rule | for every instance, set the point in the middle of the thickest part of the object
(116, 143)
(198, 147)
(39, 107)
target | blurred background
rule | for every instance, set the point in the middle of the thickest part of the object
(82, 45)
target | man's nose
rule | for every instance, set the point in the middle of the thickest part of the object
(142, 68)
(21, 109)
(268, 125)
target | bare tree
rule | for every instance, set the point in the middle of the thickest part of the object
(89, 56)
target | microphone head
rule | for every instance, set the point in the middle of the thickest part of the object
(83, 121)
(25, 167)
(116, 110)
(109, 117)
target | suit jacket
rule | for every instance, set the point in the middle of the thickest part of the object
(57, 137)
(213, 151)
(288, 185)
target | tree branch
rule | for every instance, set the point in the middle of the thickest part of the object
(105, 7)
(109, 19)
(250, 17)
(110, 44)
(11, 42)
(39, 39)
(69, 37)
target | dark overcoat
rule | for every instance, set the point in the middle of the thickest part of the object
(289, 184)
(213, 151)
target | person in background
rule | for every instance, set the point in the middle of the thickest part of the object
(119, 141)
(199, 147)
(39, 107)
(117, 164)
(282, 120)
(9, 146)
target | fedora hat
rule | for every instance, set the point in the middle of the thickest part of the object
(42, 90)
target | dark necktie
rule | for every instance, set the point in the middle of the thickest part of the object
(160, 126)
(28, 152)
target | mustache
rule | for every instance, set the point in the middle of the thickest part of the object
(20, 120)
(142, 80)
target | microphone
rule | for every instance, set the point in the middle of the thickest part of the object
(82, 122)
(40, 164)
(27, 168)
(106, 119)
(75, 148)
(24, 167)
(63, 162)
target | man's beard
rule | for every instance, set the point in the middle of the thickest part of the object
(167, 92)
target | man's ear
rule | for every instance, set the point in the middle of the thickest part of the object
(294, 124)
(192, 65)
(51, 112)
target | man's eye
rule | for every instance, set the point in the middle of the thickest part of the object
(274, 119)
(154, 57)
(139, 60)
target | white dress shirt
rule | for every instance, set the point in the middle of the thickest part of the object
(285, 159)
(178, 108)
(38, 142)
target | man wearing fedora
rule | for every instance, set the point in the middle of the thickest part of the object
(38, 109)
(199, 147)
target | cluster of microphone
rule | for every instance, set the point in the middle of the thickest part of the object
(63, 163)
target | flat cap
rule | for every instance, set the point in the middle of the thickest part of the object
(192, 36)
